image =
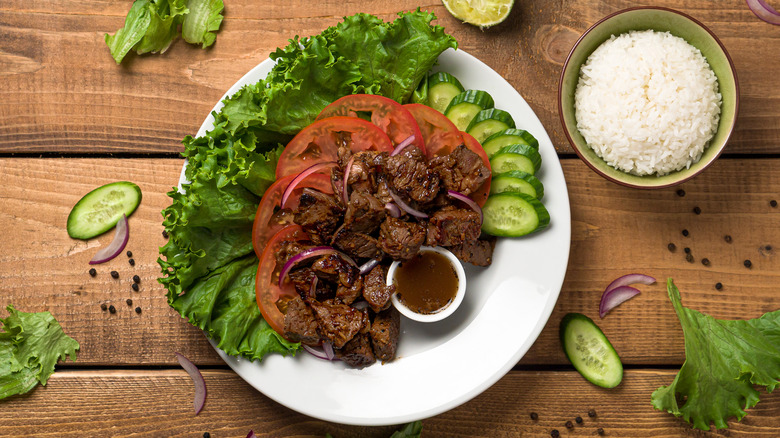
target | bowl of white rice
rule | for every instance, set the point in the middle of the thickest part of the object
(648, 97)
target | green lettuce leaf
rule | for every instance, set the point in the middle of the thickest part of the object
(203, 20)
(30, 346)
(723, 360)
(150, 26)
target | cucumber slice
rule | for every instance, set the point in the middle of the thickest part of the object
(513, 215)
(516, 157)
(506, 137)
(488, 122)
(518, 182)
(99, 210)
(465, 106)
(590, 351)
(442, 88)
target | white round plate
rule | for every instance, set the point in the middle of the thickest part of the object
(440, 366)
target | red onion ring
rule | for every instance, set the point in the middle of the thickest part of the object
(402, 145)
(328, 348)
(468, 201)
(405, 207)
(325, 354)
(614, 297)
(121, 235)
(393, 210)
(763, 11)
(197, 379)
(345, 185)
(630, 279)
(301, 176)
(309, 253)
(251, 434)
(367, 266)
(313, 288)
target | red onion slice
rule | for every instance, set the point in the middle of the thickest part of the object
(251, 434)
(309, 253)
(468, 201)
(328, 348)
(313, 288)
(197, 379)
(345, 185)
(614, 297)
(402, 145)
(763, 11)
(301, 176)
(367, 266)
(325, 354)
(393, 210)
(630, 279)
(405, 207)
(121, 235)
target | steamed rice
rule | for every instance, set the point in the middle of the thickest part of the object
(647, 102)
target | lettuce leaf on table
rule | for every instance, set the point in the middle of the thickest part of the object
(723, 360)
(208, 263)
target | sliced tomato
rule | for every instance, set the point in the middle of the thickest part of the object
(268, 219)
(267, 290)
(385, 113)
(440, 134)
(480, 195)
(320, 141)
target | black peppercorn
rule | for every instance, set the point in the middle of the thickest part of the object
(554, 433)
(747, 263)
(689, 258)
(134, 286)
(165, 234)
(137, 310)
(206, 435)
(591, 413)
(773, 203)
(727, 238)
(92, 272)
(534, 416)
(132, 262)
(600, 431)
(687, 250)
(136, 279)
(578, 420)
(685, 233)
(569, 425)
(103, 307)
(112, 309)
(129, 253)
(696, 210)
(768, 247)
(718, 285)
(705, 261)
(114, 274)
(671, 247)
(129, 302)
(680, 192)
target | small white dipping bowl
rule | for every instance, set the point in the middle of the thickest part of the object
(444, 312)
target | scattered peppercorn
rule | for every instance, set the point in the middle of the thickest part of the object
(672, 247)
(591, 413)
(129, 253)
(136, 279)
(727, 238)
(114, 274)
(132, 262)
(680, 192)
(696, 210)
(112, 309)
(569, 425)
(554, 433)
(129, 302)
(705, 261)
(103, 307)
(747, 263)
(92, 272)
(773, 203)
(685, 233)
(768, 247)
(687, 250)
(600, 431)
(718, 285)
(165, 234)
(137, 310)
(206, 435)
(134, 286)
(578, 420)
(689, 258)
(534, 416)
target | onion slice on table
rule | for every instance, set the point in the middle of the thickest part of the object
(197, 379)
(630, 279)
(615, 297)
(251, 434)
(402, 145)
(764, 11)
(468, 201)
(405, 207)
(121, 235)
(309, 253)
(301, 176)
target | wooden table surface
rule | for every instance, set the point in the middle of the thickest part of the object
(71, 119)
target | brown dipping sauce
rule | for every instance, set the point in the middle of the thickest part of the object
(427, 283)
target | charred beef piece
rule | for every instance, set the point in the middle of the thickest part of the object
(348, 294)
(334, 268)
(364, 212)
(357, 352)
(338, 323)
(383, 189)
(302, 279)
(401, 240)
(452, 226)
(462, 170)
(476, 252)
(288, 250)
(355, 245)
(299, 323)
(409, 176)
(375, 289)
(384, 334)
(319, 215)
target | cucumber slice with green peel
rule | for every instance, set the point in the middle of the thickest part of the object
(442, 88)
(506, 137)
(511, 214)
(99, 210)
(465, 106)
(488, 122)
(518, 182)
(590, 351)
(516, 157)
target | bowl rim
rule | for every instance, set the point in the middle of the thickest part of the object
(571, 140)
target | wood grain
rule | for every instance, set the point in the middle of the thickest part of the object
(62, 92)
(41, 268)
(159, 404)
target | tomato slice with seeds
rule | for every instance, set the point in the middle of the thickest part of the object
(267, 290)
(440, 134)
(385, 113)
(320, 141)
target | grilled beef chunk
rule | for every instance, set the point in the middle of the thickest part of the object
(288, 250)
(384, 334)
(375, 289)
(401, 240)
(357, 353)
(299, 323)
(334, 268)
(409, 176)
(302, 279)
(338, 323)
(476, 252)
(452, 226)
(319, 215)
(462, 170)
(364, 212)
(356, 245)
(348, 294)
(383, 189)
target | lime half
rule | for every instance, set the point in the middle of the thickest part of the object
(482, 13)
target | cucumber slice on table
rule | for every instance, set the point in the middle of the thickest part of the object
(465, 106)
(518, 182)
(590, 351)
(442, 88)
(506, 137)
(99, 210)
(513, 215)
(487, 122)
(516, 157)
